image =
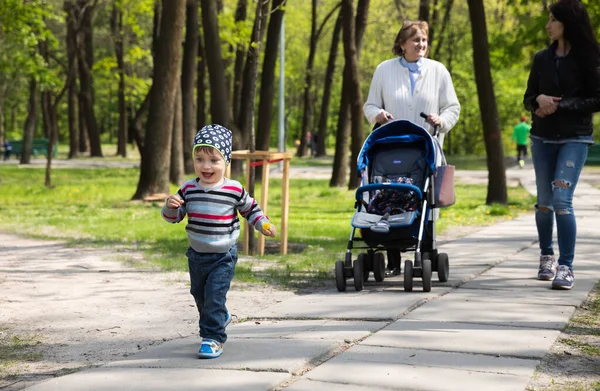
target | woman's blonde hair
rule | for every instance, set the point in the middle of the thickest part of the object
(407, 31)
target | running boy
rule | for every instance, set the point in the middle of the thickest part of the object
(211, 203)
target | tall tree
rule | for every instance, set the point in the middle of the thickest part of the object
(85, 56)
(246, 118)
(351, 57)
(487, 105)
(219, 102)
(307, 116)
(241, 13)
(116, 24)
(71, 45)
(188, 81)
(154, 172)
(176, 171)
(340, 159)
(326, 99)
(424, 10)
(267, 85)
(29, 129)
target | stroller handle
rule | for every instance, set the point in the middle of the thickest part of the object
(435, 128)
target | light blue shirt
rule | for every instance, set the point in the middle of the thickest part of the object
(414, 71)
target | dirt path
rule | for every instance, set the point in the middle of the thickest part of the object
(84, 307)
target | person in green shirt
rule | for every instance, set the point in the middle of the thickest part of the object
(520, 136)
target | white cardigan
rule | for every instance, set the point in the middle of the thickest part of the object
(434, 93)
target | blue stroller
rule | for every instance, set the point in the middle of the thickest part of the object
(397, 164)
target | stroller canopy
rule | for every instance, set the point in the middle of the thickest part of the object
(398, 131)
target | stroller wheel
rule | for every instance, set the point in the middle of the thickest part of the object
(359, 271)
(443, 267)
(340, 278)
(408, 276)
(426, 275)
(379, 267)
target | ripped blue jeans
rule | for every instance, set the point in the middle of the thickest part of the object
(557, 168)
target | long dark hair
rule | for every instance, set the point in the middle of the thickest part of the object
(578, 31)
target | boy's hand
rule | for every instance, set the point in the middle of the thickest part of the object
(174, 202)
(269, 229)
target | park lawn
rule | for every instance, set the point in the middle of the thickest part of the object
(93, 207)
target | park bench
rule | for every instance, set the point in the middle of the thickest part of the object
(39, 146)
(593, 158)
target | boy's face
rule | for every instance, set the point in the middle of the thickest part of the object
(209, 167)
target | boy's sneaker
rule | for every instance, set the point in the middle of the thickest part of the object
(564, 278)
(227, 319)
(547, 268)
(210, 349)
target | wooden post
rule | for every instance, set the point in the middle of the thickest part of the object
(266, 158)
(264, 202)
(285, 198)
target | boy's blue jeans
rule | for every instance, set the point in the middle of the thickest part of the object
(210, 277)
(557, 168)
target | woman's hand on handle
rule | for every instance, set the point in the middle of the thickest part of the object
(383, 117)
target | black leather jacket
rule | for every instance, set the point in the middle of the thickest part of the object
(562, 76)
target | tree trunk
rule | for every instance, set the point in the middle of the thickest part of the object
(154, 173)
(188, 81)
(340, 163)
(323, 119)
(116, 23)
(201, 85)
(351, 58)
(445, 23)
(245, 123)
(219, 103)
(308, 108)
(176, 173)
(247, 113)
(241, 13)
(71, 44)
(86, 83)
(267, 85)
(424, 10)
(29, 129)
(487, 105)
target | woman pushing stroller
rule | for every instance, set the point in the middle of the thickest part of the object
(410, 84)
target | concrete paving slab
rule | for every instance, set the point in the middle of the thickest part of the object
(541, 295)
(517, 276)
(465, 338)
(364, 305)
(408, 369)
(304, 329)
(449, 309)
(160, 379)
(254, 354)
(313, 385)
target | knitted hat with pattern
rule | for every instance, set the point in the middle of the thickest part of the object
(215, 136)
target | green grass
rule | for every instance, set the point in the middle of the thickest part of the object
(93, 207)
(16, 350)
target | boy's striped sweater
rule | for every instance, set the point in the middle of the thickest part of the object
(213, 225)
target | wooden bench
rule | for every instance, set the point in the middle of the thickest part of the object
(593, 158)
(39, 146)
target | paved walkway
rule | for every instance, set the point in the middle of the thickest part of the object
(485, 329)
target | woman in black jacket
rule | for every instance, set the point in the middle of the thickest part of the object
(563, 91)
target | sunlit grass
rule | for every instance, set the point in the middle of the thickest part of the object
(93, 207)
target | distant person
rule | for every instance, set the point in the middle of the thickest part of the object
(7, 150)
(211, 203)
(520, 137)
(563, 91)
